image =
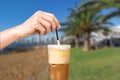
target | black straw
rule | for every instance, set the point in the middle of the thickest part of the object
(57, 34)
(58, 42)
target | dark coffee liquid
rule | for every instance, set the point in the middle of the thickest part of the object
(58, 71)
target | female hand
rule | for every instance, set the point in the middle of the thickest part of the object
(40, 23)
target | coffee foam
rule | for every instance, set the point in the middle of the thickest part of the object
(59, 46)
(58, 54)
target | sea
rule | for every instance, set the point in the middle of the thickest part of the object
(19, 44)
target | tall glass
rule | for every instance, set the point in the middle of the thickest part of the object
(58, 58)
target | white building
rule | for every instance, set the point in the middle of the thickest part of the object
(99, 36)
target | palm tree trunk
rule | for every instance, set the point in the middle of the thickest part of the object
(76, 42)
(86, 46)
(77, 36)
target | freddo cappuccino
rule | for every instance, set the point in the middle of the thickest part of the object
(58, 58)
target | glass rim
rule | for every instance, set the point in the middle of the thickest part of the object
(58, 46)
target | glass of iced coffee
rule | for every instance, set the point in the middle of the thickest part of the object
(58, 59)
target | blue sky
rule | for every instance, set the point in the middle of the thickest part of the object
(15, 12)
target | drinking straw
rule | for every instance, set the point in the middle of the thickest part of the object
(58, 42)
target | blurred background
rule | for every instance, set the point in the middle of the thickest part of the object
(91, 27)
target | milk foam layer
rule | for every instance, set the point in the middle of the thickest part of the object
(58, 54)
(59, 46)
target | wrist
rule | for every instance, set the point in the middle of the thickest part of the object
(19, 31)
(23, 30)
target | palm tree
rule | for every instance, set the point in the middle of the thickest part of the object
(83, 23)
(71, 30)
(84, 20)
(100, 5)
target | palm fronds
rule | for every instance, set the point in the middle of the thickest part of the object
(112, 14)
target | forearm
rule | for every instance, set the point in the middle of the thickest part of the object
(8, 36)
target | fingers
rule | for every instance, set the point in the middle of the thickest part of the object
(41, 30)
(38, 28)
(43, 22)
(40, 22)
(56, 21)
(52, 19)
